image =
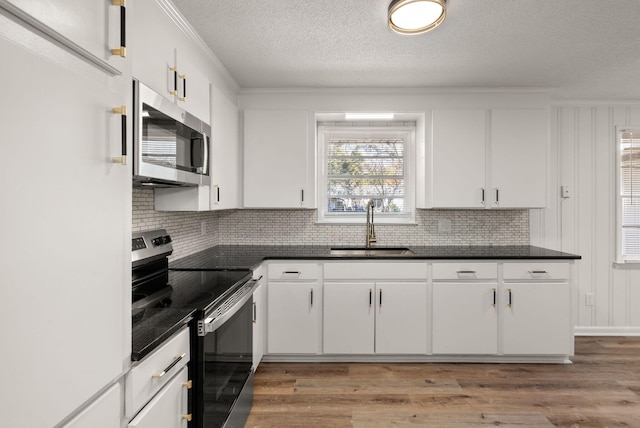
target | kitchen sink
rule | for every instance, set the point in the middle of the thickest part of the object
(379, 251)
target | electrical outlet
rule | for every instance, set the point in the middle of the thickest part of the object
(203, 228)
(588, 299)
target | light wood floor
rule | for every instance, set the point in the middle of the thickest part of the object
(601, 389)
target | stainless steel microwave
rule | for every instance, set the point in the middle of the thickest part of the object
(171, 146)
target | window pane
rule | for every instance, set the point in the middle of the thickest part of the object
(631, 241)
(631, 211)
(630, 192)
(363, 169)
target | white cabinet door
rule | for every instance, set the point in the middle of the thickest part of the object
(349, 314)
(259, 322)
(275, 159)
(293, 317)
(94, 26)
(193, 88)
(465, 319)
(226, 160)
(163, 60)
(102, 413)
(458, 158)
(68, 225)
(168, 409)
(401, 318)
(536, 319)
(152, 40)
(518, 158)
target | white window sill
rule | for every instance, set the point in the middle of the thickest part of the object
(627, 264)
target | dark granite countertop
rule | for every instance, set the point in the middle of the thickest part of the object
(151, 327)
(250, 256)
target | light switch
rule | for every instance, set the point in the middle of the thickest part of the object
(564, 192)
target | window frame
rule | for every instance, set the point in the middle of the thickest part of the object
(409, 133)
(620, 257)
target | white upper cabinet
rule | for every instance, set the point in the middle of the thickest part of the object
(164, 60)
(276, 159)
(226, 161)
(90, 28)
(518, 158)
(458, 169)
(489, 158)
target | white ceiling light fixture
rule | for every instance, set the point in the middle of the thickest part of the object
(416, 16)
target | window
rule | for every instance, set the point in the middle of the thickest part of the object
(358, 164)
(629, 191)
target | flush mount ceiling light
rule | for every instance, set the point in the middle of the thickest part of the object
(415, 16)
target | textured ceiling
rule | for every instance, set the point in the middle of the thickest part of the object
(579, 48)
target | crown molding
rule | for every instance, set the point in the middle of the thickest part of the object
(174, 14)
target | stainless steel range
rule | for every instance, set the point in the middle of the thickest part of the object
(221, 331)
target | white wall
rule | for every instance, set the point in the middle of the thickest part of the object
(582, 156)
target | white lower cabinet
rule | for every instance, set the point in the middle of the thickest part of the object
(462, 310)
(525, 311)
(293, 318)
(156, 388)
(168, 409)
(102, 413)
(375, 317)
(465, 318)
(536, 319)
(294, 308)
(349, 316)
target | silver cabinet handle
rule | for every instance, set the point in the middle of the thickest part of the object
(169, 367)
(311, 297)
(255, 315)
(494, 297)
(510, 298)
(533, 272)
(482, 201)
(466, 271)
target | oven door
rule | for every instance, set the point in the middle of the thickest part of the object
(224, 377)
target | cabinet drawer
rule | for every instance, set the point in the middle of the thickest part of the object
(293, 271)
(465, 270)
(155, 370)
(536, 270)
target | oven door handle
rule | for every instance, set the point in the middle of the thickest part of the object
(211, 324)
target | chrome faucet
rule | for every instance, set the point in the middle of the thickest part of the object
(371, 233)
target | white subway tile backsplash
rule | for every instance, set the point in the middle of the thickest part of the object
(299, 227)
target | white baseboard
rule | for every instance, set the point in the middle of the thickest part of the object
(607, 331)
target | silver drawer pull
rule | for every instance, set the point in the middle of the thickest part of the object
(169, 367)
(466, 271)
(291, 272)
(533, 272)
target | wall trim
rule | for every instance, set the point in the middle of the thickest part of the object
(607, 331)
(184, 25)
